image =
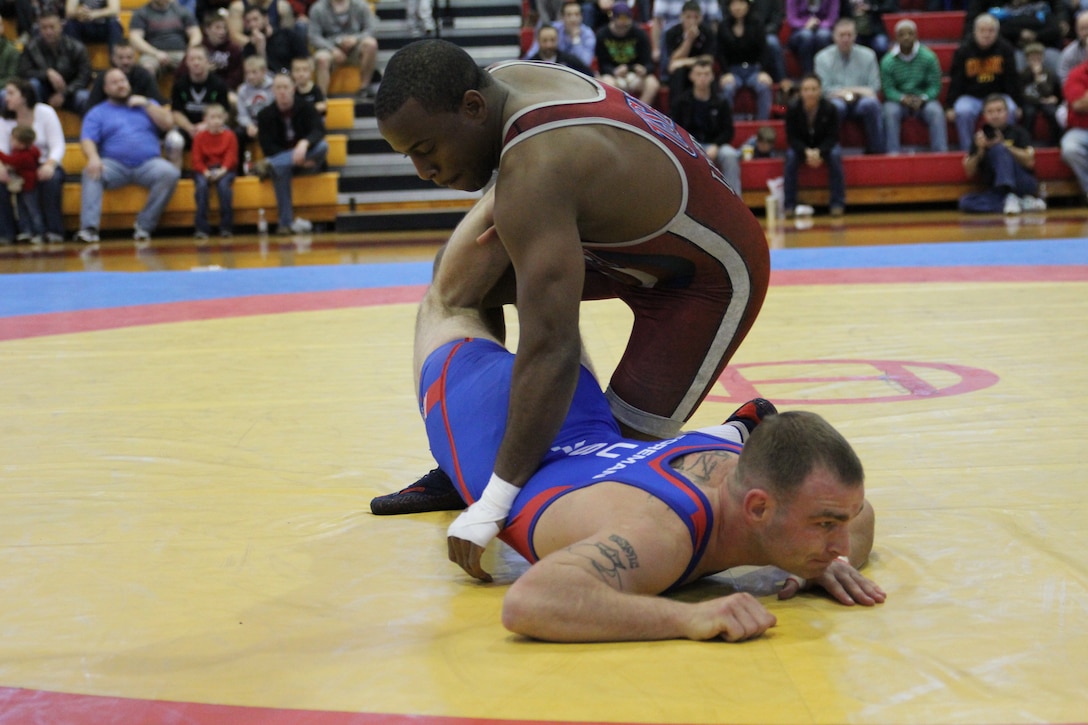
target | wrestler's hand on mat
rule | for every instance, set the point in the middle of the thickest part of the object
(735, 618)
(842, 581)
(478, 524)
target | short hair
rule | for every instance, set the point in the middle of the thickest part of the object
(24, 134)
(255, 61)
(691, 5)
(703, 61)
(847, 20)
(436, 73)
(213, 16)
(214, 107)
(545, 28)
(121, 43)
(307, 59)
(906, 23)
(811, 76)
(995, 98)
(785, 448)
(766, 134)
(985, 18)
(202, 48)
(1034, 48)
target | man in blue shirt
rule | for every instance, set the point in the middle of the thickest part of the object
(120, 138)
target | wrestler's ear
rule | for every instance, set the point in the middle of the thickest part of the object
(758, 506)
(474, 105)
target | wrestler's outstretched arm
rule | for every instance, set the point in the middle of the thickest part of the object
(604, 588)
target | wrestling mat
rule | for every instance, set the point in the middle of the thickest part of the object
(187, 460)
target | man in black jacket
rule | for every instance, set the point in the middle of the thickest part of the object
(812, 134)
(706, 115)
(292, 138)
(57, 66)
(983, 64)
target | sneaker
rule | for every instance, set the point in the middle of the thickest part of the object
(434, 491)
(87, 235)
(751, 414)
(22, 238)
(37, 240)
(226, 233)
(301, 226)
(200, 235)
(140, 234)
(1012, 204)
(262, 169)
(54, 238)
(283, 230)
(1032, 203)
(837, 211)
(804, 210)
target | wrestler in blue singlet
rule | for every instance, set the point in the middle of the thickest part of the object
(465, 395)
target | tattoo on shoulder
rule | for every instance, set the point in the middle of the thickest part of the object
(698, 467)
(609, 558)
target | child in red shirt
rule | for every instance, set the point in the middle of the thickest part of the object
(214, 160)
(22, 165)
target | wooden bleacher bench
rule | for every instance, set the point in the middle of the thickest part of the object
(903, 179)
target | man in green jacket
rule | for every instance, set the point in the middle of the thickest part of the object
(911, 77)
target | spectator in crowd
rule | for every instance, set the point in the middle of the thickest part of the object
(420, 17)
(278, 13)
(625, 56)
(810, 28)
(57, 66)
(1042, 93)
(93, 21)
(851, 78)
(189, 98)
(760, 145)
(25, 14)
(705, 114)
(685, 43)
(20, 165)
(302, 72)
(741, 47)
(342, 33)
(983, 64)
(278, 47)
(140, 80)
(547, 51)
(910, 76)
(9, 59)
(548, 11)
(1076, 52)
(1032, 21)
(772, 13)
(812, 136)
(1002, 158)
(575, 37)
(669, 14)
(868, 18)
(1075, 140)
(160, 32)
(120, 138)
(224, 55)
(253, 97)
(21, 107)
(292, 137)
(215, 159)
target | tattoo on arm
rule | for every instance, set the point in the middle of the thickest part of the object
(608, 560)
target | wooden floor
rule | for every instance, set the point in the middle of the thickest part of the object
(187, 459)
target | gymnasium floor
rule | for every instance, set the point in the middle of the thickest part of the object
(187, 456)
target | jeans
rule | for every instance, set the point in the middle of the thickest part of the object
(1009, 178)
(283, 171)
(202, 192)
(968, 109)
(157, 175)
(836, 179)
(1075, 154)
(931, 113)
(869, 111)
(30, 213)
(74, 101)
(108, 30)
(805, 44)
(49, 195)
(774, 59)
(748, 76)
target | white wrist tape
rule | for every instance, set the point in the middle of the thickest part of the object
(482, 521)
(800, 581)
